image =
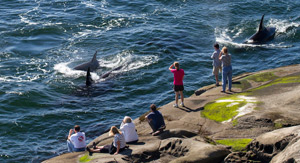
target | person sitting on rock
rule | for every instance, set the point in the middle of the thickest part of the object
(155, 120)
(76, 142)
(128, 129)
(117, 145)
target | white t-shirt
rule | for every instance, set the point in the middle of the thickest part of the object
(129, 132)
(78, 140)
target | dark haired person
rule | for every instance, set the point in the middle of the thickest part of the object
(76, 141)
(225, 57)
(216, 63)
(155, 120)
(178, 82)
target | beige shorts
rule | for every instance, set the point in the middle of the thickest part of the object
(216, 70)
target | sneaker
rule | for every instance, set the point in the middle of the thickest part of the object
(182, 104)
(89, 150)
(175, 106)
(94, 145)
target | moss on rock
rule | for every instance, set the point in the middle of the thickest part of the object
(283, 80)
(261, 77)
(226, 108)
(236, 144)
(84, 158)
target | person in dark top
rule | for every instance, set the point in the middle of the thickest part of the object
(155, 120)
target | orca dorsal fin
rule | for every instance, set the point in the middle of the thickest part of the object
(95, 57)
(261, 25)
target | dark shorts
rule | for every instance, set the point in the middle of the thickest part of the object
(178, 88)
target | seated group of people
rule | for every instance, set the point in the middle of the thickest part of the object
(126, 135)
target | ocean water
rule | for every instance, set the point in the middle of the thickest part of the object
(42, 97)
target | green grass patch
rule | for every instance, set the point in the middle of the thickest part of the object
(84, 158)
(278, 125)
(244, 84)
(262, 77)
(227, 109)
(284, 80)
(234, 122)
(236, 144)
(221, 111)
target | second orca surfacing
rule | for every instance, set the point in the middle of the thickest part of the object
(93, 64)
(263, 34)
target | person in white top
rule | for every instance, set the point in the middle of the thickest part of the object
(128, 129)
(76, 141)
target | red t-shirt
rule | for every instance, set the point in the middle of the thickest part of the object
(178, 76)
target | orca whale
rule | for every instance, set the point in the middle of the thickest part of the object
(263, 34)
(93, 64)
(89, 81)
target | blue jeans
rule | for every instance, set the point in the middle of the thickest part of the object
(227, 74)
(71, 147)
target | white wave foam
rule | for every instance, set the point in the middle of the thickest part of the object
(69, 72)
(282, 26)
(88, 4)
(128, 61)
(19, 79)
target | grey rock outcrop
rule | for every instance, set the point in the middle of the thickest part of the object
(278, 146)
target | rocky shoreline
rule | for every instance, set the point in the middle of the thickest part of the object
(257, 122)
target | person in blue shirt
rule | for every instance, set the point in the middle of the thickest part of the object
(155, 120)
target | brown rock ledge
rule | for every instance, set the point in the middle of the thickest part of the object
(189, 136)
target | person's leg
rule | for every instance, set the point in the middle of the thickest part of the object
(229, 78)
(176, 97)
(152, 126)
(79, 149)
(182, 97)
(224, 78)
(214, 73)
(97, 150)
(70, 145)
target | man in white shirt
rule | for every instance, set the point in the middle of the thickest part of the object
(76, 142)
(128, 129)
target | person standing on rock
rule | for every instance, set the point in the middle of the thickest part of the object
(128, 129)
(178, 82)
(225, 58)
(216, 63)
(76, 142)
(155, 120)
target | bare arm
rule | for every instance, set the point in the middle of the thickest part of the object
(171, 67)
(118, 148)
(220, 56)
(70, 133)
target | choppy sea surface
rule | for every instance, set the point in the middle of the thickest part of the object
(42, 97)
